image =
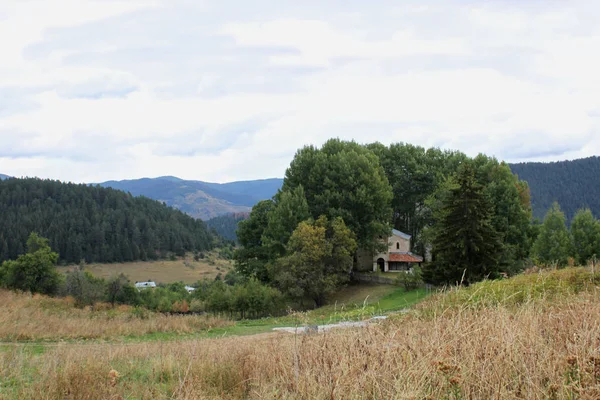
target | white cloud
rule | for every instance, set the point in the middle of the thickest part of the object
(96, 90)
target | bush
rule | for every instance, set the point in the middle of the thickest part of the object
(410, 281)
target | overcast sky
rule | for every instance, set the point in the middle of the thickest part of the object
(229, 90)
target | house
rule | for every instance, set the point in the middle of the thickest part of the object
(145, 285)
(396, 258)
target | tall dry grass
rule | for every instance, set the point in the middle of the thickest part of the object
(547, 348)
(26, 317)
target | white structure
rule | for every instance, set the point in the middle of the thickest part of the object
(189, 289)
(145, 285)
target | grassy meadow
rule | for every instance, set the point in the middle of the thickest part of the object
(535, 336)
(163, 271)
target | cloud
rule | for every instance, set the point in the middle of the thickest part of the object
(93, 90)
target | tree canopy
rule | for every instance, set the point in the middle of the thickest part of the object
(319, 260)
(585, 230)
(344, 179)
(554, 243)
(34, 271)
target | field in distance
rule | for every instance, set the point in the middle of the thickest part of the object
(163, 271)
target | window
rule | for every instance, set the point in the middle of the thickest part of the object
(397, 245)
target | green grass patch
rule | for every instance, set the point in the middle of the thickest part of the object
(518, 290)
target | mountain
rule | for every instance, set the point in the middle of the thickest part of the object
(2, 177)
(573, 184)
(93, 223)
(199, 199)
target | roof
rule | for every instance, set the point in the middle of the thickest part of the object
(145, 284)
(405, 257)
(401, 234)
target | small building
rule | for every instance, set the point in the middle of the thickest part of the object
(396, 258)
(190, 289)
(145, 285)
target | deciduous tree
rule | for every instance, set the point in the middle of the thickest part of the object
(554, 243)
(585, 230)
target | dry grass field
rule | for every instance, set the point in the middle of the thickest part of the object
(164, 271)
(24, 317)
(535, 337)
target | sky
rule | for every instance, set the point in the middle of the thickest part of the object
(229, 90)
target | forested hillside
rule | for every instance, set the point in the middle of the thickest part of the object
(573, 184)
(226, 225)
(93, 223)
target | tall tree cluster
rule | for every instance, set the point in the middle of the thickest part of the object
(556, 244)
(472, 214)
(92, 223)
(303, 241)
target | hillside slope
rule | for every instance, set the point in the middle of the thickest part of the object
(201, 199)
(93, 223)
(226, 225)
(574, 184)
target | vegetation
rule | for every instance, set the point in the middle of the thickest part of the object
(93, 223)
(34, 271)
(573, 184)
(465, 243)
(554, 243)
(26, 317)
(542, 346)
(320, 260)
(226, 225)
(473, 214)
(182, 269)
(344, 179)
(415, 173)
(585, 230)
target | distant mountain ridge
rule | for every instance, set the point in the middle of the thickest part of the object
(2, 176)
(200, 199)
(573, 184)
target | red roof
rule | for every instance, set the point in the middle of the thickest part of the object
(404, 257)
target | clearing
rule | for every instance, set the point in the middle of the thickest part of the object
(184, 270)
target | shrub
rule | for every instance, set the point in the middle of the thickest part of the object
(410, 281)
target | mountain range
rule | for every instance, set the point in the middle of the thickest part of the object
(199, 199)
(2, 176)
(573, 184)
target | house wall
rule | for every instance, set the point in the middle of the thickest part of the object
(403, 244)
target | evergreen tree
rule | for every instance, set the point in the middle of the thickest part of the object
(554, 243)
(251, 259)
(585, 230)
(464, 239)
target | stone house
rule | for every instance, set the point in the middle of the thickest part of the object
(396, 258)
